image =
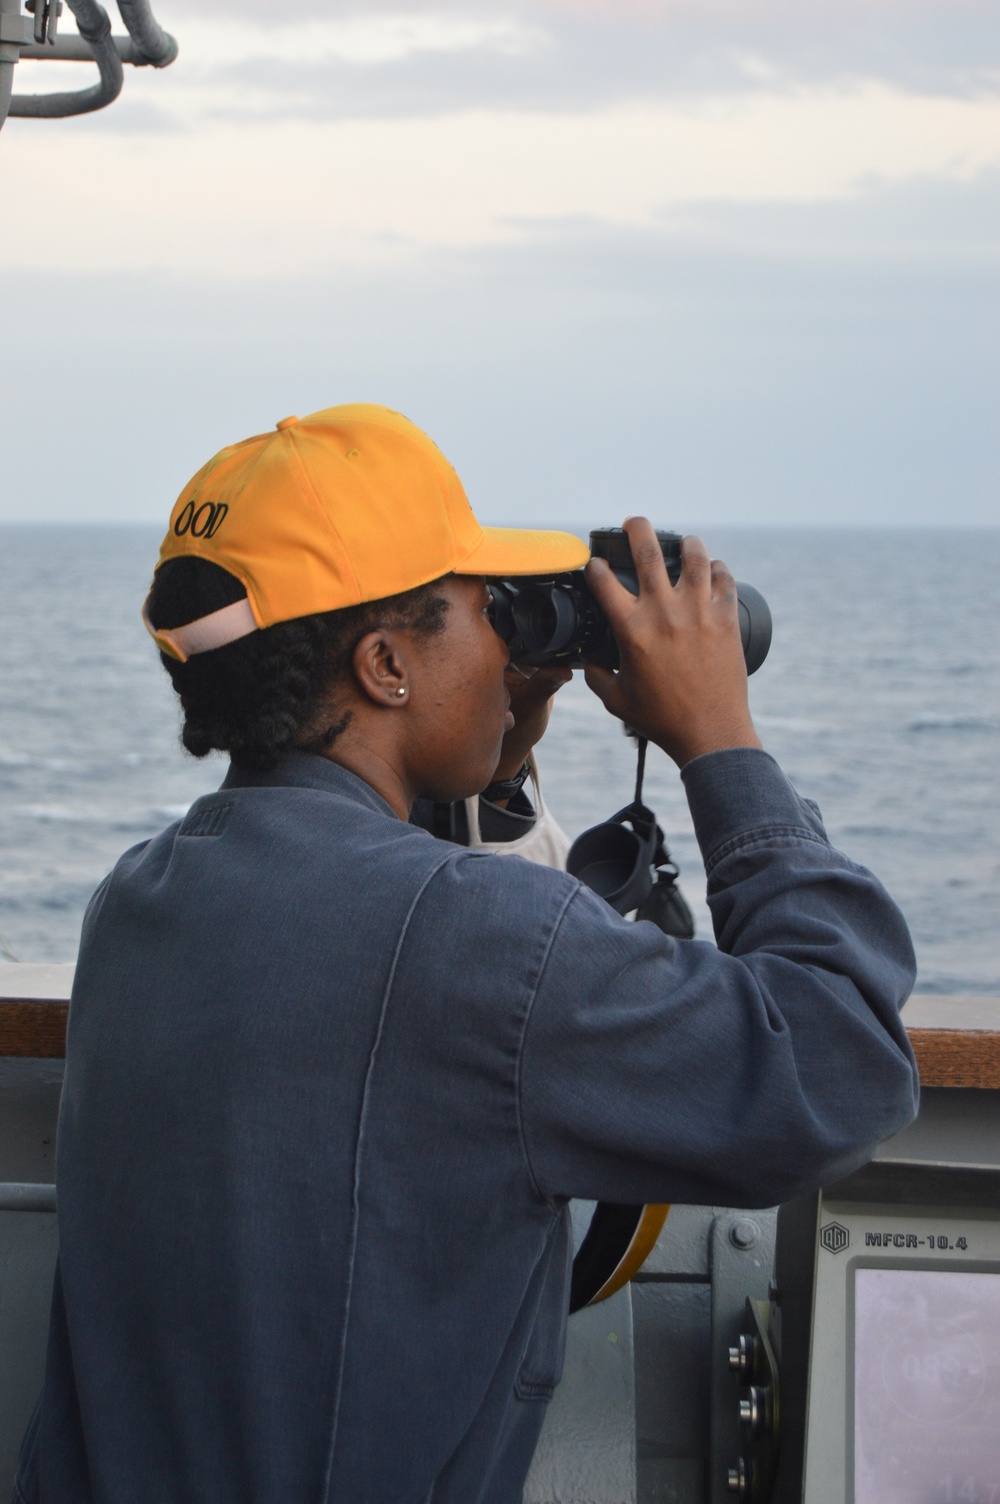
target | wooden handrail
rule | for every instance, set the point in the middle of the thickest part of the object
(34, 1029)
(34, 1003)
(956, 1039)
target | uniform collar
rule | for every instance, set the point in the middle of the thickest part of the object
(307, 770)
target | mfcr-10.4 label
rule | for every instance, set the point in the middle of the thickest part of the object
(934, 1242)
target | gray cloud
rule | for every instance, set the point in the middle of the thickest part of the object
(835, 364)
(599, 56)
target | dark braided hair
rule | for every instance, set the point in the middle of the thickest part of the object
(264, 695)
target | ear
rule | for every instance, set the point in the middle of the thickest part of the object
(381, 667)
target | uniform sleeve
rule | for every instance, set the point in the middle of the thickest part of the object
(743, 1075)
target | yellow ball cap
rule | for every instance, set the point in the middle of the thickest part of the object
(347, 505)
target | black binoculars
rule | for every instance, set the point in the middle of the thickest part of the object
(557, 619)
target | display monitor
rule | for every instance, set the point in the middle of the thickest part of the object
(926, 1386)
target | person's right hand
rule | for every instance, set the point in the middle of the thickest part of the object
(682, 681)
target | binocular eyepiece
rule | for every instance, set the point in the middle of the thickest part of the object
(557, 619)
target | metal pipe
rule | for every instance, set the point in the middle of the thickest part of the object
(6, 82)
(156, 45)
(76, 50)
(15, 30)
(95, 28)
(15, 1197)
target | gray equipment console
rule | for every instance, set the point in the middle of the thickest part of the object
(872, 1375)
(893, 1276)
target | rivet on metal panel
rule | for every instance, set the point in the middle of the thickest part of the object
(744, 1233)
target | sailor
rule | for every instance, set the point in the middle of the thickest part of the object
(504, 818)
(330, 1082)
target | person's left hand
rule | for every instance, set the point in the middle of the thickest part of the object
(531, 691)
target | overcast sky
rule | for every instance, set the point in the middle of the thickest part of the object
(718, 260)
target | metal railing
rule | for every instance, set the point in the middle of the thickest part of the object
(22, 1197)
(36, 36)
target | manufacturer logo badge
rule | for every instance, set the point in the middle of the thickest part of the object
(834, 1238)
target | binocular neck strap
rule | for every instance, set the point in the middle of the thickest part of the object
(640, 771)
(661, 856)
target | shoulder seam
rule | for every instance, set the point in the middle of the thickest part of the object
(443, 858)
(557, 926)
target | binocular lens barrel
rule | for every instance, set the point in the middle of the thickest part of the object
(546, 617)
(755, 625)
(559, 621)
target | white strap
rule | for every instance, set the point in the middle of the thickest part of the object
(476, 841)
(545, 843)
(207, 633)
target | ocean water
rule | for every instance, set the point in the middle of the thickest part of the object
(880, 698)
